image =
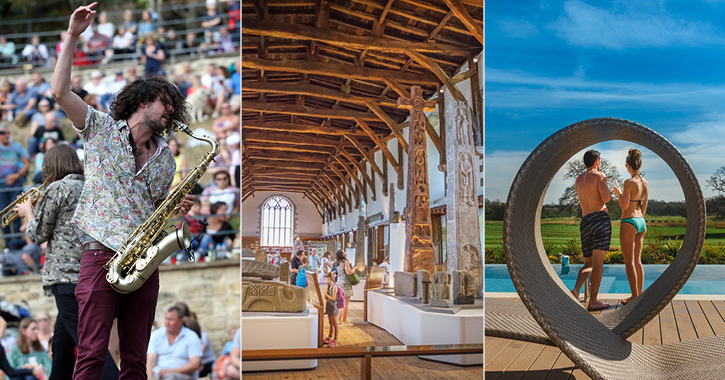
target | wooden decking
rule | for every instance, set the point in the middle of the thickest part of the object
(365, 334)
(681, 320)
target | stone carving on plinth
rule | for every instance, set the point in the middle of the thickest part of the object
(254, 268)
(419, 250)
(463, 287)
(272, 296)
(259, 255)
(442, 294)
(405, 284)
(246, 252)
(424, 288)
(463, 238)
(284, 272)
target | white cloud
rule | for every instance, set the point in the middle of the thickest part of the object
(518, 28)
(637, 26)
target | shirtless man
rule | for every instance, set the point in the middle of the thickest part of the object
(595, 228)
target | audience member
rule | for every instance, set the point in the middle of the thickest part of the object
(96, 86)
(226, 44)
(113, 88)
(98, 47)
(44, 144)
(212, 19)
(181, 164)
(233, 370)
(23, 101)
(183, 80)
(94, 101)
(190, 46)
(218, 231)
(123, 41)
(146, 26)
(221, 191)
(45, 329)
(35, 52)
(7, 51)
(235, 167)
(192, 218)
(234, 14)
(172, 41)
(153, 56)
(49, 130)
(28, 349)
(105, 27)
(209, 45)
(6, 108)
(128, 23)
(14, 165)
(236, 79)
(174, 351)
(131, 75)
(77, 88)
(226, 123)
(41, 88)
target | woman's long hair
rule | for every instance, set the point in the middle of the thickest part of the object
(340, 257)
(27, 347)
(59, 161)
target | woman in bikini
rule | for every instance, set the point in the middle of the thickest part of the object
(633, 200)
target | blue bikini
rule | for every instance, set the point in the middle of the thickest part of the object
(638, 223)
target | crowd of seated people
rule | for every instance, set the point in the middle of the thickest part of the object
(103, 41)
(29, 105)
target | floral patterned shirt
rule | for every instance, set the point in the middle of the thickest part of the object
(53, 214)
(115, 200)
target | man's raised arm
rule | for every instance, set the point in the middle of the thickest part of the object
(71, 103)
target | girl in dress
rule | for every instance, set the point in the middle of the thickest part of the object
(331, 309)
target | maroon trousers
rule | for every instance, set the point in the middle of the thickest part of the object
(96, 303)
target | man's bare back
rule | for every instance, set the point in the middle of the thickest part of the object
(592, 190)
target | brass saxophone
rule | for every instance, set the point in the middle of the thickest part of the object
(138, 258)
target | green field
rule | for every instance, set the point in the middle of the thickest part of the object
(559, 232)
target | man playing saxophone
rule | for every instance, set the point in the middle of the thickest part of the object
(129, 169)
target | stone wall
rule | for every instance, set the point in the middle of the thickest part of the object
(212, 290)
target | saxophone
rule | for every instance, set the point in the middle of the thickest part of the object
(138, 258)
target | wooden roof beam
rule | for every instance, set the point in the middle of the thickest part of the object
(287, 148)
(312, 90)
(383, 147)
(476, 28)
(263, 163)
(337, 38)
(282, 156)
(391, 124)
(361, 168)
(444, 78)
(369, 158)
(338, 70)
(351, 173)
(296, 109)
(288, 138)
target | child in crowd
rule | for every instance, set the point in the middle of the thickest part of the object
(331, 309)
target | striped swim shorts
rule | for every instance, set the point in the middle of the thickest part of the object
(596, 232)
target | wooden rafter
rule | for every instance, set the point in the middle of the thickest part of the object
(369, 157)
(295, 109)
(475, 28)
(432, 66)
(311, 90)
(289, 139)
(287, 148)
(361, 169)
(383, 147)
(337, 70)
(390, 122)
(337, 38)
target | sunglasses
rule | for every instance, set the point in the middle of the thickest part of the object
(43, 319)
(3, 133)
(221, 178)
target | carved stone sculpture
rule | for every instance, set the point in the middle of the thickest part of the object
(259, 255)
(405, 284)
(284, 272)
(272, 296)
(463, 288)
(442, 293)
(419, 250)
(424, 288)
(463, 238)
(254, 268)
(246, 252)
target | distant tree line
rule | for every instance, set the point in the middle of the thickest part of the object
(495, 209)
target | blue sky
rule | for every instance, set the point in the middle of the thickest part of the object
(553, 63)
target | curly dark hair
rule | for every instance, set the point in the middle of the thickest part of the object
(145, 91)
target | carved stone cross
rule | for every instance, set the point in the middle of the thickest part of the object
(419, 250)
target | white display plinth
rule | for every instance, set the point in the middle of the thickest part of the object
(358, 291)
(412, 326)
(277, 331)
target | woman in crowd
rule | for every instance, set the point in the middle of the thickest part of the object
(28, 349)
(221, 191)
(218, 230)
(26, 372)
(343, 270)
(45, 332)
(633, 200)
(49, 222)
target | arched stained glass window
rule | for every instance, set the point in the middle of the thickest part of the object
(277, 222)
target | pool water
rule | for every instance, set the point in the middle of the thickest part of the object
(706, 279)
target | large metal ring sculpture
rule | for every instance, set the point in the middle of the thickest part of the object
(584, 339)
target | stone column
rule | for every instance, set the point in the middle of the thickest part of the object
(419, 250)
(463, 239)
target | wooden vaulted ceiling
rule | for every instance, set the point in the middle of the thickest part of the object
(320, 83)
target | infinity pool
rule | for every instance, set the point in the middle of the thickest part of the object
(706, 279)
